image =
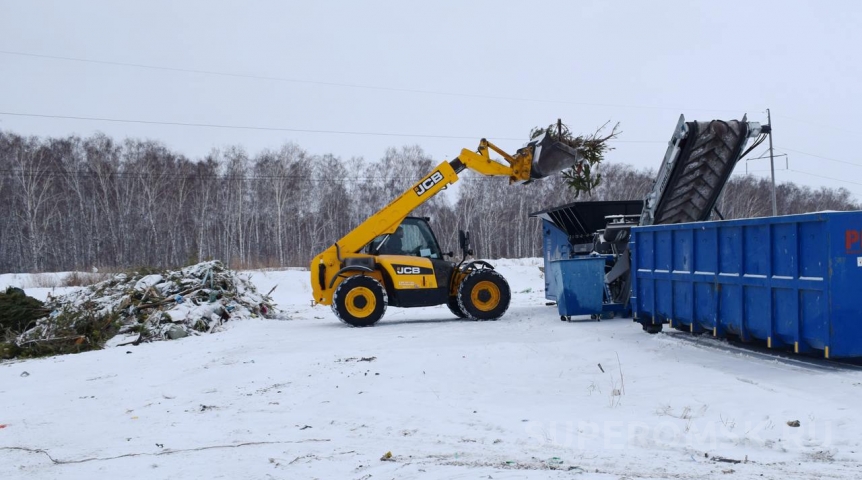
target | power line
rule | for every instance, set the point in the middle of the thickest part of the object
(235, 127)
(819, 156)
(760, 155)
(819, 125)
(824, 177)
(275, 129)
(751, 172)
(32, 173)
(763, 157)
(806, 173)
(761, 170)
(353, 85)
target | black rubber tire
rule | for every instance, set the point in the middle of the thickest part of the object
(471, 282)
(652, 329)
(452, 303)
(339, 299)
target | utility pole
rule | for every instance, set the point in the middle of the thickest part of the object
(772, 164)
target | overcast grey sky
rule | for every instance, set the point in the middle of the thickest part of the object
(434, 67)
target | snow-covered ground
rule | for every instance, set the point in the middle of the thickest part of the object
(524, 397)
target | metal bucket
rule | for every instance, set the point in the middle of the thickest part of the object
(550, 157)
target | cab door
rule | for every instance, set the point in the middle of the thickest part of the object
(418, 240)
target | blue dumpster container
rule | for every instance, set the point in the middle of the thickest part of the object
(555, 246)
(579, 284)
(790, 281)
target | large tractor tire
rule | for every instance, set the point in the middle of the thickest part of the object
(484, 295)
(359, 301)
(452, 303)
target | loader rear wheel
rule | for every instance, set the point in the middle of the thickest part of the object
(484, 295)
(359, 301)
(452, 303)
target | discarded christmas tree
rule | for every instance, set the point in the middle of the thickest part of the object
(18, 312)
(583, 177)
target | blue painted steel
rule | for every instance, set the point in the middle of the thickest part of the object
(555, 246)
(791, 281)
(580, 285)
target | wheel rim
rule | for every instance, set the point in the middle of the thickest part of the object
(360, 302)
(485, 296)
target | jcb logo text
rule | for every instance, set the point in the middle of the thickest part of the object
(407, 270)
(429, 182)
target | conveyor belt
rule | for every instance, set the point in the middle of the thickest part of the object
(696, 167)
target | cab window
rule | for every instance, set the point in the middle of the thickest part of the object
(413, 237)
(419, 240)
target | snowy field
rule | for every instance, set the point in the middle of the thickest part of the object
(524, 397)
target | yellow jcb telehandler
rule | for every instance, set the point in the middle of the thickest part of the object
(394, 259)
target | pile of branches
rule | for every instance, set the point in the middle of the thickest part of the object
(129, 309)
(583, 177)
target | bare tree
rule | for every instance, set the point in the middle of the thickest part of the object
(74, 203)
(34, 179)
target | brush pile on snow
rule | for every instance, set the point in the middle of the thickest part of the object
(130, 309)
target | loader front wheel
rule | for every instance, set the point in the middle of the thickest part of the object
(484, 295)
(452, 303)
(359, 301)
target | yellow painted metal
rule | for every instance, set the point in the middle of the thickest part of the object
(453, 288)
(360, 293)
(826, 352)
(795, 347)
(768, 342)
(480, 161)
(401, 281)
(493, 296)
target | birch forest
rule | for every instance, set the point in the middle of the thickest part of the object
(76, 203)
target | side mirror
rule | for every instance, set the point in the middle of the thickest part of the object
(464, 242)
(449, 254)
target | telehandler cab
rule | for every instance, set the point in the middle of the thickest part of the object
(394, 259)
